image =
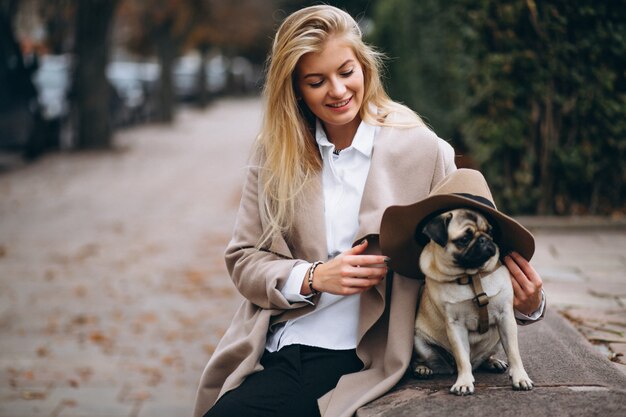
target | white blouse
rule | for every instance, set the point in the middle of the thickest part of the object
(334, 322)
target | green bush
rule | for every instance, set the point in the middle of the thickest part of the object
(535, 91)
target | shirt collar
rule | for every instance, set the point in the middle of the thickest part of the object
(363, 138)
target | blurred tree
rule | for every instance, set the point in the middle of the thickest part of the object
(357, 8)
(56, 14)
(548, 94)
(235, 27)
(202, 37)
(427, 66)
(162, 27)
(20, 116)
(8, 9)
(170, 28)
(536, 91)
(91, 90)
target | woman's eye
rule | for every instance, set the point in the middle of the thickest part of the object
(347, 73)
(316, 84)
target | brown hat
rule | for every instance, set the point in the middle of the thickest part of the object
(464, 188)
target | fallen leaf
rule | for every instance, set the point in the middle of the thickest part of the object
(33, 395)
(80, 291)
(86, 251)
(43, 351)
(49, 275)
(148, 317)
(84, 319)
(84, 373)
(194, 276)
(209, 348)
(98, 337)
(140, 396)
(155, 376)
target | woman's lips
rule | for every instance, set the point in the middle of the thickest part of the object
(340, 104)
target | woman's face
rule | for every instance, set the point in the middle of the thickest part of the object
(331, 84)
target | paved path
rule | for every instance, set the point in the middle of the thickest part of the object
(583, 265)
(113, 291)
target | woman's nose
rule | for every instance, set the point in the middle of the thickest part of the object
(337, 88)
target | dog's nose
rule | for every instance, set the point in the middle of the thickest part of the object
(486, 245)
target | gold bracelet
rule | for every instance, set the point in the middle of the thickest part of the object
(311, 271)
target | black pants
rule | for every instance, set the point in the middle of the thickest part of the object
(289, 385)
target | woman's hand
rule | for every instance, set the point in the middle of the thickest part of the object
(348, 273)
(527, 284)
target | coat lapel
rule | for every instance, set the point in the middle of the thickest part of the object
(376, 198)
(308, 235)
(376, 194)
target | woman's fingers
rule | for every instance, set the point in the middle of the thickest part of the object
(516, 272)
(523, 273)
(356, 285)
(366, 261)
(357, 249)
(351, 272)
(365, 271)
(526, 283)
(528, 271)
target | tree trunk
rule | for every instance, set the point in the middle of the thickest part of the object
(166, 50)
(9, 9)
(203, 88)
(91, 90)
(549, 139)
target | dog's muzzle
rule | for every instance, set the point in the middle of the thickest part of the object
(477, 254)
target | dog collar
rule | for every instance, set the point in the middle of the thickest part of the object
(480, 298)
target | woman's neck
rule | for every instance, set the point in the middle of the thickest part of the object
(342, 135)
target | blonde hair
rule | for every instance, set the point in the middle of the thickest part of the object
(289, 156)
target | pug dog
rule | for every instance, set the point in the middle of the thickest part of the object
(446, 328)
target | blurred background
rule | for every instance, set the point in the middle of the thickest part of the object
(125, 127)
(532, 93)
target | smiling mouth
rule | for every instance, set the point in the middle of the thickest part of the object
(340, 104)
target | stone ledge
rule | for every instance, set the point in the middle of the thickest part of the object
(571, 379)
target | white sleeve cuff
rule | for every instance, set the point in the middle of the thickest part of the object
(537, 314)
(291, 290)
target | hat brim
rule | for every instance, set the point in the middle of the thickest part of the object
(397, 231)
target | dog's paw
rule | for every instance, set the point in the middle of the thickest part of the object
(495, 365)
(521, 381)
(463, 386)
(422, 372)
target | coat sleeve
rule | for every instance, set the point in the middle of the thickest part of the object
(258, 274)
(444, 164)
(446, 155)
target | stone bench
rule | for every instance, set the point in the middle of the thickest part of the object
(571, 379)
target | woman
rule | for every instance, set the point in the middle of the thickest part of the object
(314, 335)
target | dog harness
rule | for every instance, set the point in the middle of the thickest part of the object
(480, 298)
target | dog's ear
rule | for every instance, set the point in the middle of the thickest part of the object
(437, 229)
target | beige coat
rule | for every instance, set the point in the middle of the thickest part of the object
(406, 164)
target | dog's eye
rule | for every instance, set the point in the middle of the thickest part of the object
(463, 240)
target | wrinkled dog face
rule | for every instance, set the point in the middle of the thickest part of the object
(466, 237)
